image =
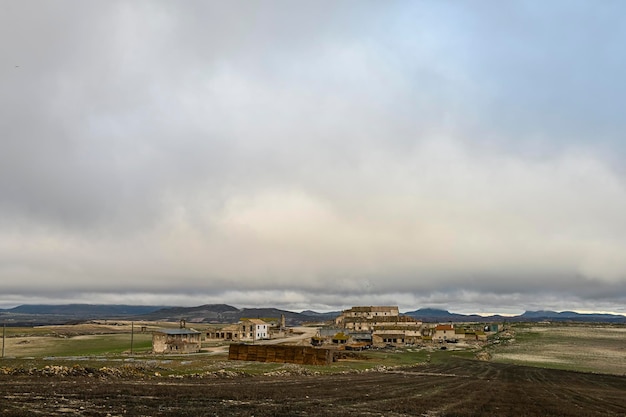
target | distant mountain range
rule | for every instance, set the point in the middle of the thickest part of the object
(86, 310)
(43, 314)
(434, 315)
(223, 313)
(571, 315)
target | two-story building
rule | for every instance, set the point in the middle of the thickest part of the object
(176, 341)
(245, 331)
(254, 329)
(444, 332)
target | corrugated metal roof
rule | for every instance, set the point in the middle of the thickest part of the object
(178, 331)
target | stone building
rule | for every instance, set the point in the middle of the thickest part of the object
(247, 330)
(176, 341)
(367, 312)
(444, 332)
(379, 325)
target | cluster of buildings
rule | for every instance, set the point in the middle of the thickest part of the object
(356, 327)
(384, 325)
(250, 330)
(184, 340)
(374, 325)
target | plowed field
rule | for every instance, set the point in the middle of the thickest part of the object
(458, 388)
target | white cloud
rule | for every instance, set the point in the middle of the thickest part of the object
(305, 154)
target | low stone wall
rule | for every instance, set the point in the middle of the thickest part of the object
(302, 355)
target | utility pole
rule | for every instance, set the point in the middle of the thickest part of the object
(132, 335)
(4, 334)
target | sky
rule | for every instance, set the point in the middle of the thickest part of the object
(464, 155)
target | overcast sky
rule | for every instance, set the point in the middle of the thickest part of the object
(466, 155)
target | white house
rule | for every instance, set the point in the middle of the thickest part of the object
(254, 329)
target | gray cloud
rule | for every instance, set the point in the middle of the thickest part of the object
(321, 154)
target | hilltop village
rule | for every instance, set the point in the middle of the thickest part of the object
(357, 328)
(384, 325)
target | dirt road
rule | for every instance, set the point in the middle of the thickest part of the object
(459, 388)
(300, 334)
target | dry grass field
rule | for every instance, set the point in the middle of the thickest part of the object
(580, 347)
(72, 340)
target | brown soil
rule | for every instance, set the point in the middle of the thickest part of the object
(458, 388)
